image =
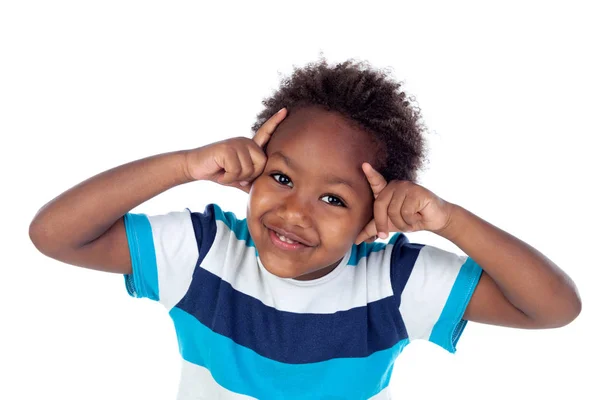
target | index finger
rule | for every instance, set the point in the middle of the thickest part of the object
(266, 130)
(376, 180)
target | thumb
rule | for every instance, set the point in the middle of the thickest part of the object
(264, 133)
(376, 180)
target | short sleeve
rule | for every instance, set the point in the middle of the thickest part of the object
(165, 250)
(433, 288)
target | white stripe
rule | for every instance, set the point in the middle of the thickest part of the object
(198, 384)
(344, 288)
(427, 290)
(176, 255)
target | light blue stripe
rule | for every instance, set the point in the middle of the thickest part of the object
(144, 280)
(243, 371)
(450, 325)
(239, 227)
(365, 249)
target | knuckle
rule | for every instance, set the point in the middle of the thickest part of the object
(248, 173)
(235, 170)
(228, 149)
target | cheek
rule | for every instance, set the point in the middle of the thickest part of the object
(359, 221)
(366, 214)
(259, 197)
(339, 229)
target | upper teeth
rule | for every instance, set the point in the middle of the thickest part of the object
(284, 239)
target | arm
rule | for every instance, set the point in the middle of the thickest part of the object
(84, 225)
(519, 287)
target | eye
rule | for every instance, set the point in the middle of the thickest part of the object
(334, 200)
(282, 179)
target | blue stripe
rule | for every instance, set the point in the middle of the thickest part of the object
(239, 227)
(143, 256)
(205, 229)
(291, 337)
(143, 282)
(243, 371)
(365, 249)
(450, 325)
(403, 259)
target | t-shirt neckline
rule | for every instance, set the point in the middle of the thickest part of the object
(313, 282)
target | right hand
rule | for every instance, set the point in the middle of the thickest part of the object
(235, 162)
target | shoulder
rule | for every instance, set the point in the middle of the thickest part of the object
(382, 253)
(222, 232)
(372, 263)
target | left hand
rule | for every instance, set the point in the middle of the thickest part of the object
(402, 206)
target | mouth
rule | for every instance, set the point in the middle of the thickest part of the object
(286, 241)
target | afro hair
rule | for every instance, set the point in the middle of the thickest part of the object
(365, 96)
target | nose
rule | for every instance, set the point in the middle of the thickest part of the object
(295, 210)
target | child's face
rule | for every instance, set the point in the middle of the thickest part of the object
(304, 196)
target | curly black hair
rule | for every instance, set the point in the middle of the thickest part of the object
(365, 96)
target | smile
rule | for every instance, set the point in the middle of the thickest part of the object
(285, 239)
(283, 242)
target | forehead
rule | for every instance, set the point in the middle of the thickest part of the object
(322, 139)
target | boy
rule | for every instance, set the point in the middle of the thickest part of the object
(296, 301)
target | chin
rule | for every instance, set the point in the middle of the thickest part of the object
(282, 272)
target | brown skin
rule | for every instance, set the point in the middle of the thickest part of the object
(519, 287)
(84, 225)
(299, 200)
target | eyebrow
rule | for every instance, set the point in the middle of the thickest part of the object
(329, 179)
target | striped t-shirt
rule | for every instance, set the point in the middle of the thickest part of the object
(245, 333)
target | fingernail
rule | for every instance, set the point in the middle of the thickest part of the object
(243, 183)
(382, 235)
(281, 110)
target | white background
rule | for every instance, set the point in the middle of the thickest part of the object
(509, 92)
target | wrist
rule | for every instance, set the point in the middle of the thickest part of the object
(453, 226)
(183, 157)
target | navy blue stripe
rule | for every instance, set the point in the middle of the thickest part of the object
(205, 229)
(291, 337)
(243, 371)
(404, 256)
